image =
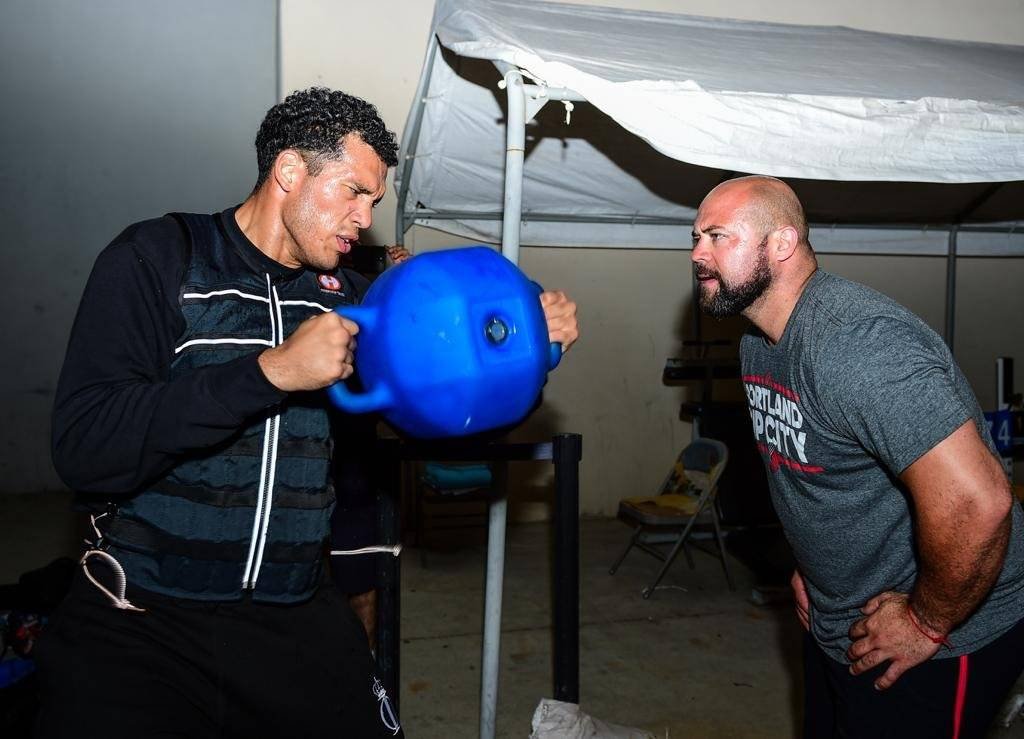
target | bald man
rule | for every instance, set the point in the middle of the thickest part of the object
(910, 580)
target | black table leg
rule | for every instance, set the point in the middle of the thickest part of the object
(567, 453)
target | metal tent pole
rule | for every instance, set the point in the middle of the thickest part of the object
(497, 511)
(951, 288)
(497, 519)
(515, 151)
(410, 139)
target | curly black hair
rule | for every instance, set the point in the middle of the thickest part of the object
(314, 122)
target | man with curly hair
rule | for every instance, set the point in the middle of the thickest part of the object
(190, 414)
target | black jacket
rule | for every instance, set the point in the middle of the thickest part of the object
(220, 481)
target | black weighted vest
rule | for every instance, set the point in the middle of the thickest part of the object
(251, 515)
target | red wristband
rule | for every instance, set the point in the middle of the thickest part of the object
(943, 640)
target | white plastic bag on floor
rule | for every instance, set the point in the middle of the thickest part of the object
(557, 720)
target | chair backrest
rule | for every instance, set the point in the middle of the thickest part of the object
(703, 461)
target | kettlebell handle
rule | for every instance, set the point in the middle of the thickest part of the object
(554, 355)
(374, 400)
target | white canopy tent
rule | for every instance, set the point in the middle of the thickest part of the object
(895, 144)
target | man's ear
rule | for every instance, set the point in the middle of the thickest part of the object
(289, 169)
(786, 242)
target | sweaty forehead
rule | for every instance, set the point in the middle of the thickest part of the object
(377, 186)
(373, 175)
(367, 174)
(710, 218)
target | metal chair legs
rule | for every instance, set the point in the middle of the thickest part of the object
(622, 557)
(721, 548)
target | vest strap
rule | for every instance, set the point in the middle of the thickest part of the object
(135, 536)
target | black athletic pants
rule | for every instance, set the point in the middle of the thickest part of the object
(198, 670)
(922, 704)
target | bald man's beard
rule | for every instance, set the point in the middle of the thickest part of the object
(731, 300)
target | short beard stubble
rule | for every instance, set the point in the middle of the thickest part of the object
(731, 300)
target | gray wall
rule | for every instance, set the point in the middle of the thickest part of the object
(113, 111)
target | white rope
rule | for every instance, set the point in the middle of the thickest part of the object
(93, 519)
(672, 587)
(118, 601)
(393, 550)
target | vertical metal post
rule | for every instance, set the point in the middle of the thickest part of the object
(1004, 382)
(278, 76)
(1004, 400)
(515, 151)
(567, 453)
(389, 580)
(410, 138)
(951, 287)
(497, 518)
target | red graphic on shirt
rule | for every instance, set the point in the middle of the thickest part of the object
(329, 282)
(778, 421)
(776, 460)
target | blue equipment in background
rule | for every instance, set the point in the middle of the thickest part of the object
(450, 343)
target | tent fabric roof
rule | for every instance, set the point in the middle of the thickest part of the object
(796, 101)
(864, 112)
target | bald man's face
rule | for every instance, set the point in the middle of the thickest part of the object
(730, 259)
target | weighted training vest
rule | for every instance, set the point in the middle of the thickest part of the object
(251, 515)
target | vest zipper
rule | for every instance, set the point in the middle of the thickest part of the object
(268, 466)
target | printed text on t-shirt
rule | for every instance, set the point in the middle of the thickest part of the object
(777, 419)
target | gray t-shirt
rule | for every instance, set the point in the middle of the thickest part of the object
(856, 390)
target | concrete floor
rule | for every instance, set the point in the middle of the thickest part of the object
(696, 660)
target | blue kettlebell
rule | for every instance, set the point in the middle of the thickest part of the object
(450, 343)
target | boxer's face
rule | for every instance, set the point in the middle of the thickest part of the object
(325, 212)
(730, 259)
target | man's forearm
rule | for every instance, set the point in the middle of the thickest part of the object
(963, 510)
(955, 576)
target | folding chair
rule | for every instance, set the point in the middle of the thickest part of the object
(686, 499)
